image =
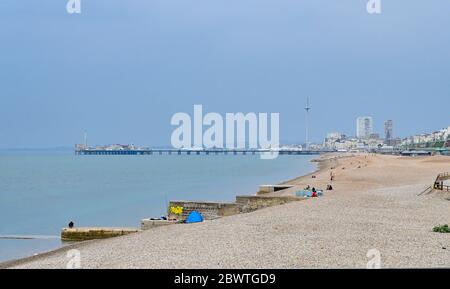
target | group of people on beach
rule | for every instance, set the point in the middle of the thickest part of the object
(313, 190)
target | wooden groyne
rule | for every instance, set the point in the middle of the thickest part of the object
(267, 189)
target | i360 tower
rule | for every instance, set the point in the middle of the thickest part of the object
(307, 109)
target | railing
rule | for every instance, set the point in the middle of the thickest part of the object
(439, 183)
(442, 177)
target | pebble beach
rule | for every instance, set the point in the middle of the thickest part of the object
(375, 206)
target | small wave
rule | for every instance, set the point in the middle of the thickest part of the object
(27, 237)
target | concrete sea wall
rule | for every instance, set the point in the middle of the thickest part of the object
(213, 210)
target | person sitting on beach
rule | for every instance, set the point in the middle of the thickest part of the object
(307, 187)
(314, 193)
(71, 225)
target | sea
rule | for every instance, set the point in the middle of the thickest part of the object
(41, 191)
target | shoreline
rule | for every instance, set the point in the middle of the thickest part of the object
(74, 245)
(352, 183)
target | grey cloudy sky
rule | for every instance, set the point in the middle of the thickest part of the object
(121, 69)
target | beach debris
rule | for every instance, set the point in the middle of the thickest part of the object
(163, 218)
(194, 217)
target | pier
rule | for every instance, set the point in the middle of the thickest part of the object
(197, 152)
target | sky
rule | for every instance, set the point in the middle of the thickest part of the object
(122, 68)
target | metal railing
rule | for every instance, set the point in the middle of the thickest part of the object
(443, 176)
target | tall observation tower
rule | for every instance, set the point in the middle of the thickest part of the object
(307, 109)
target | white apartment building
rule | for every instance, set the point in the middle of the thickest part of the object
(364, 127)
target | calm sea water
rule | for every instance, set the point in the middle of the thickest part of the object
(41, 192)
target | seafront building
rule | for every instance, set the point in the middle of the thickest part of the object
(340, 142)
(440, 138)
(388, 131)
(366, 139)
(364, 127)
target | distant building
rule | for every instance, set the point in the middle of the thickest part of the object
(331, 140)
(364, 127)
(374, 136)
(335, 135)
(435, 139)
(388, 131)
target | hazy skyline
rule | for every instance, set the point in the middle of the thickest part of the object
(121, 69)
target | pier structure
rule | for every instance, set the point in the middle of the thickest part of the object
(87, 151)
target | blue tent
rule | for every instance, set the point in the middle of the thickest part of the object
(194, 217)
